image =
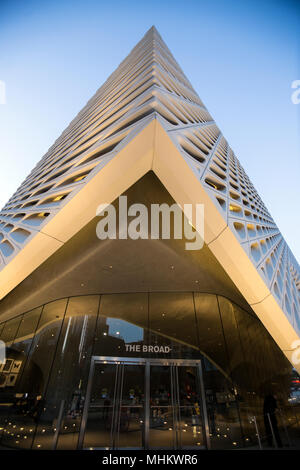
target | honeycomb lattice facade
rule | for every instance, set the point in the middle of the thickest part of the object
(147, 85)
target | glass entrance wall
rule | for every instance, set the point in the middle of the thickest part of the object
(49, 349)
(144, 404)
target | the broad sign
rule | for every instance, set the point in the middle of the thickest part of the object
(147, 348)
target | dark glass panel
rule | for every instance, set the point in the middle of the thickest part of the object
(249, 383)
(15, 432)
(232, 340)
(172, 323)
(10, 329)
(8, 378)
(222, 410)
(190, 422)
(65, 394)
(175, 407)
(132, 408)
(122, 325)
(266, 373)
(211, 338)
(24, 337)
(100, 418)
(161, 425)
(273, 382)
(34, 379)
(1, 329)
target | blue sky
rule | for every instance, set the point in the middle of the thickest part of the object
(240, 56)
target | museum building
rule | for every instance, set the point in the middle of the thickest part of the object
(124, 343)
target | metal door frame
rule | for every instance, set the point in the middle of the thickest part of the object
(147, 362)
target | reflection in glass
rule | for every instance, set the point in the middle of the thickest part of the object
(190, 423)
(172, 324)
(116, 407)
(33, 382)
(132, 408)
(223, 418)
(211, 337)
(17, 418)
(175, 407)
(161, 426)
(122, 327)
(10, 330)
(44, 380)
(65, 395)
(98, 431)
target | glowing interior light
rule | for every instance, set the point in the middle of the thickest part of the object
(57, 198)
(79, 178)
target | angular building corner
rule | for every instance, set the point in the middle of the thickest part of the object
(145, 128)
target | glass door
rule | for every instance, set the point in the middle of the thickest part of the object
(114, 414)
(130, 416)
(161, 408)
(190, 422)
(175, 418)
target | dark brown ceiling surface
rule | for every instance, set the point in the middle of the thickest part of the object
(87, 265)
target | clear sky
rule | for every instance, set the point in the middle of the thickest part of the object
(241, 57)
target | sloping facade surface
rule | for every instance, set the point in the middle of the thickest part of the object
(149, 85)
